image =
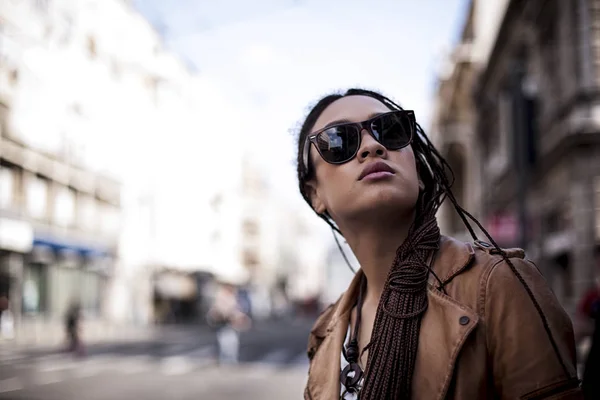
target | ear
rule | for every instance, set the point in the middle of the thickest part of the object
(313, 194)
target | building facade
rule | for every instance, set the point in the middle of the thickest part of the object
(453, 126)
(59, 213)
(538, 129)
(452, 129)
(98, 149)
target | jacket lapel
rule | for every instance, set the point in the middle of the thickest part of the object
(324, 374)
(445, 326)
(444, 329)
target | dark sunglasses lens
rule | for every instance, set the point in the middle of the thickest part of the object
(394, 131)
(338, 143)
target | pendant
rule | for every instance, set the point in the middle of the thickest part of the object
(351, 376)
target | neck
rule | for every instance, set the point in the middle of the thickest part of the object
(374, 246)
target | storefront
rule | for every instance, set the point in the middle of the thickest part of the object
(16, 238)
(58, 272)
(175, 296)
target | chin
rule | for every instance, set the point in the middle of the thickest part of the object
(387, 201)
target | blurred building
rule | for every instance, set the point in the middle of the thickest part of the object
(539, 132)
(237, 235)
(310, 281)
(59, 208)
(274, 249)
(453, 127)
(248, 238)
(101, 185)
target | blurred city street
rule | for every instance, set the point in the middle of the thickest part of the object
(150, 161)
(175, 363)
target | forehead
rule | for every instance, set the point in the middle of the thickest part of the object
(350, 108)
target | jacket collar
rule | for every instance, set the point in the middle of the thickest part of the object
(443, 331)
(452, 258)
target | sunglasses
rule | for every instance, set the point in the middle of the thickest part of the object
(338, 144)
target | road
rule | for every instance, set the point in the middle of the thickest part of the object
(178, 364)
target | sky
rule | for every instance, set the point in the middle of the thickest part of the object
(269, 60)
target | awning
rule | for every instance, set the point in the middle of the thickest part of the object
(60, 245)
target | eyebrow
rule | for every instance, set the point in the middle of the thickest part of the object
(347, 121)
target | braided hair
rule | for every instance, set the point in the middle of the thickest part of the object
(394, 340)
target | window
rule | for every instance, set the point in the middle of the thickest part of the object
(8, 187)
(91, 285)
(553, 221)
(457, 163)
(491, 132)
(86, 212)
(531, 130)
(250, 228)
(558, 219)
(13, 77)
(64, 206)
(91, 47)
(35, 287)
(250, 258)
(109, 219)
(495, 138)
(37, 197)
(548, 34)
(505, 119)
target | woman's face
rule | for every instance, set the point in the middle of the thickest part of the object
(340, 190)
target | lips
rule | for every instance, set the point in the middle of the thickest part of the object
(378, 166)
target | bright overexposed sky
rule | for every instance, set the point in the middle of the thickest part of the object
(270, 59)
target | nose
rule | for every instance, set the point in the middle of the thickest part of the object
(370, 147)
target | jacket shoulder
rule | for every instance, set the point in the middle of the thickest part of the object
(525, 321)
(485, 247)
(466, 284)
(489, 257)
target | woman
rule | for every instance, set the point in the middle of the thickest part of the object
(426, 316)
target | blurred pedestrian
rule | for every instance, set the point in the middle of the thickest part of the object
(227, 317)
(426, 316)
(73, 329)
(3, 303)
(6, 318)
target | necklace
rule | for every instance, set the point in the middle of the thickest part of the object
(352, 374)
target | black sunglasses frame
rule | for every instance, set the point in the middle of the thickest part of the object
(364, 125)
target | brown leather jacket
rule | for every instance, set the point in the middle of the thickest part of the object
(484, 340)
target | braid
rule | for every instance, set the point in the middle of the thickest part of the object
(395, 337)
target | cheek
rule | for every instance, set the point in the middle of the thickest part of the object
(333, 184)
(406, 161)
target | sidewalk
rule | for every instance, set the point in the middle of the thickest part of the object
(42, 335)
